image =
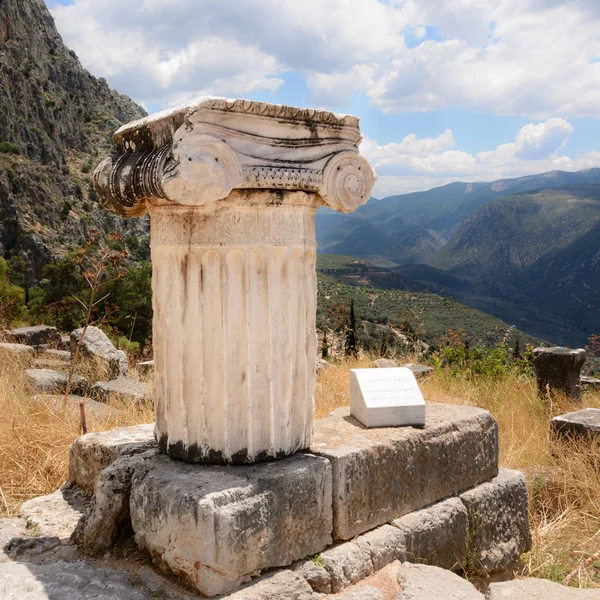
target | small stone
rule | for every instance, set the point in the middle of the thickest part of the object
(19, 350)
(97, 345)
(52, 354)
(580, 424)
(558, 370)
(49, 363)
(65, 581)
(146, 367)
(317, 576)
(531, 588)
(347, 563)
(437, 535)
(92, 453)
(384, 363)
(34, 336)
(283, 585)
(248, 518)
(423, 582)
(362, 592)
(590, 383)
(58, 514)
(499, 521)
(49, 380)
(419, 371)
(125, 389)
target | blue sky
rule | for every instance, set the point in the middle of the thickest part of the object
(445, 89)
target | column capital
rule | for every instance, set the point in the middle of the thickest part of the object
(197, 153)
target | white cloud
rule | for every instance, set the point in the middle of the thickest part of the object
(525, 57)
(417, 164)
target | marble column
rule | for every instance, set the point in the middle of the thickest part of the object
(232, 188)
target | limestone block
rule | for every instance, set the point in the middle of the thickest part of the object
(52, 354)
(49, 363)
(34, 336)
(437, 535)
(419, 371)
(65, 581)
(384, 363)
(384, 545)
(423, 582)
(347, 564)
(580, 424)
(92, 453)
(316, 575)
(557, 370)
(56, 402)
(96, 344)
(531, 588)
(49, 380)
(382, 474)
(21, 351)
(109, 507)
(498, 521)
(58, 514)
(282, 585)
(125, 389)
(217, 525)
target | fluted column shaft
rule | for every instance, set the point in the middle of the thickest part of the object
(234, 296)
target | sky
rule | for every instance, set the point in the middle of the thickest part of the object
(446, 90)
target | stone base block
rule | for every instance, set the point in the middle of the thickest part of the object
(382, 474)
(498, 521)
(581, 424)
(437, 535)
(219, 525)
(94, 452)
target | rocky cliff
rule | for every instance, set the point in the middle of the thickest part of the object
(55, 127)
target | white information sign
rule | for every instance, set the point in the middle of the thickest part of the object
(386, 397)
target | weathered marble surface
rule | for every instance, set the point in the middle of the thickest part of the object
(558, 370)
(232, 187)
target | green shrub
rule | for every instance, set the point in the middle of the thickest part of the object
(12, 297)
(9, 148)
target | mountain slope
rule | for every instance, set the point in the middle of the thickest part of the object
(56, 123)
(413, 227)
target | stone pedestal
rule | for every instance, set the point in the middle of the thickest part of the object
(232, 188)
(558, 370)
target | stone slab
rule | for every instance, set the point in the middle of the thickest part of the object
(579, 424)
(386, 397)
(217, 526)
(49, 380)
(537, 589)
(92, 408)
(65, 581)
(34, 336)
(382, 474)
(499, 522)
(22, 351)
(56, 515)
(49, 363)
(52, 354)
(96, 344)
(93, 452)
(424, 582)
(437, 535)
(126, 389)
(282, 585)
(384, 363)
(419, 371)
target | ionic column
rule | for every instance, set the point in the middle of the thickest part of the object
(232, 188)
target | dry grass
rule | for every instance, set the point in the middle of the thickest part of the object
(35, 437)
(564, 482)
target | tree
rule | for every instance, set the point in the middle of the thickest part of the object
(12, 297)
(351, 348)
